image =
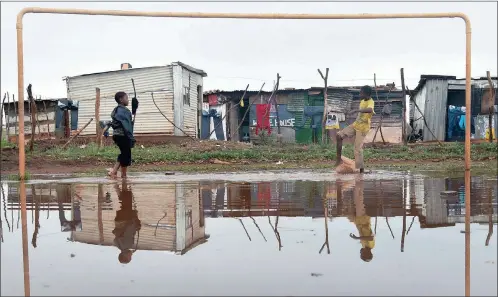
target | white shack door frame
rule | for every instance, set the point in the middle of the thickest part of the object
(178, 107)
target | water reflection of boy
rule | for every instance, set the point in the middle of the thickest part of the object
(67, 225)
(362, 222)
(127, 224)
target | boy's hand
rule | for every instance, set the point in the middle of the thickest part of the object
(134, 105)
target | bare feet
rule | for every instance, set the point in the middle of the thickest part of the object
(112, 174)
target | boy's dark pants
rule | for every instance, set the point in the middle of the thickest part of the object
(124, 145)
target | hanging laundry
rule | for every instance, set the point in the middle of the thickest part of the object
(213, 99)
(263, 118)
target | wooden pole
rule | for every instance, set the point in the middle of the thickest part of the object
(325, 105)
(31, 104)
(7, 117)
(275, 103)
(16, 123)
(98, 133)
(1, 117)
(403, 96)
(77, 133)
(46, 115)
(36, 116)
(491, 108)
(381, 115)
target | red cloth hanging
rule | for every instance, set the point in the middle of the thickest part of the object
(213, 99)
(264, 194)
(263, 118)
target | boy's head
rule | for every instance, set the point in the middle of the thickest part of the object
(125, 256)
(121, 98)
(366, 254)
(365, 92)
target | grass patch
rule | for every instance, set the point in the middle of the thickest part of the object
(269, 153)
(17, 177)
(5, 144)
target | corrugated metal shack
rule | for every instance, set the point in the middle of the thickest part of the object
(45, 117)
(177, 90)
(441, 99)
(300, 112)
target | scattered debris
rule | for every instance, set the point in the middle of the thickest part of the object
(216, 161)
(73, 255)
(316, 274)
(82, 146)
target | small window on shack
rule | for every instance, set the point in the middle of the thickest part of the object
(186, 95)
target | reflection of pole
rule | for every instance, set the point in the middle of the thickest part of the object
(326, 216)
(243, 226)
(99, 212)
(490, 201)
(259, 229)
(25, 255)
(37, 219)
(389, 226)
(467, 232)
(404, 222)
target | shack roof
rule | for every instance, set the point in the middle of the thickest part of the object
(188, 67)
(7, 104)
(425, 77)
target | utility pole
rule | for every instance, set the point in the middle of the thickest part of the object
(325, 105)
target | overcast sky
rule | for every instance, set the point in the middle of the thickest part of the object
(235, 53)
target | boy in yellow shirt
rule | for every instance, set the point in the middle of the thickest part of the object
(359, 129)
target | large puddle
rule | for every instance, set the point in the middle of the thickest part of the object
(249, 234)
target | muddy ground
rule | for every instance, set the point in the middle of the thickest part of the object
(41, 162)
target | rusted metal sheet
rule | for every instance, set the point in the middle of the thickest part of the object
(339, 100)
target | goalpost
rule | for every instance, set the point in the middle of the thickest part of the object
(468, 33)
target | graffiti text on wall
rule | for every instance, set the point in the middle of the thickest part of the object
(283, 123)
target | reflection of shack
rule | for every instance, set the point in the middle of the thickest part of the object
(171, 216)
(46, 195)
(444, 201)
(298, 198)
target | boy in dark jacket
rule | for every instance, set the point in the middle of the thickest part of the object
(122, 126)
